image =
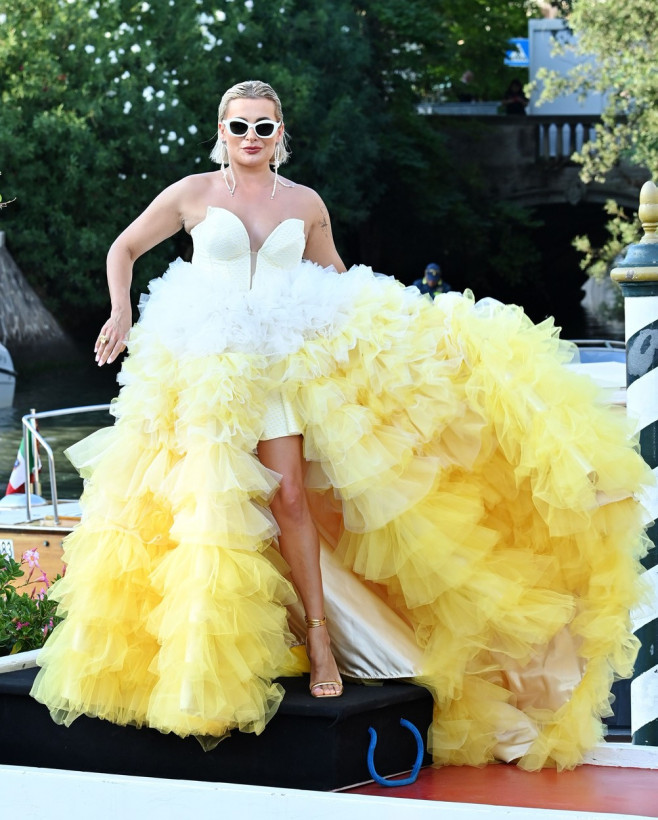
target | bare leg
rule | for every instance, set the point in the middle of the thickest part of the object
(299, 545)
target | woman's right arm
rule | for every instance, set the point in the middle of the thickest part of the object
(161, 219)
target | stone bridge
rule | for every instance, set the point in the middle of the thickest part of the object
(528, 159)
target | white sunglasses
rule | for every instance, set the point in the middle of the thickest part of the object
(240, 128)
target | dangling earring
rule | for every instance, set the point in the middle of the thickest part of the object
(223, 160)
(277, 162)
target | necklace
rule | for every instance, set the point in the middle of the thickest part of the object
(231, 187)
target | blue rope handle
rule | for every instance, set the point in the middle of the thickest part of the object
(419, 757)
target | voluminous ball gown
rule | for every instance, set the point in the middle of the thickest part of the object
(475, 501)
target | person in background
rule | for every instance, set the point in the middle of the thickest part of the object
(515, 100)
(432, 282)
(466, 87)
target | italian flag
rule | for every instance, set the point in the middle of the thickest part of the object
(17, 477)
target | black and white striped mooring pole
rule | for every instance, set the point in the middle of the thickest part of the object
(638, 277)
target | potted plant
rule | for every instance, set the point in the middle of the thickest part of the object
(26, 619)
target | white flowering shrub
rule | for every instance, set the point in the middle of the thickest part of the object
(104, 103)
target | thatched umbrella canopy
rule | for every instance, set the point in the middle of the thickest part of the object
(26, 326)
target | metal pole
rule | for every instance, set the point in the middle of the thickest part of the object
(638, 277)
(28, 485)
(35, 460)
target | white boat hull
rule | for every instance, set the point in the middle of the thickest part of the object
(73, 795)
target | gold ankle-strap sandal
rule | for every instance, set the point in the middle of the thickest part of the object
(312, 623)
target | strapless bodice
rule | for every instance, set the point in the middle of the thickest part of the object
(222, 246)
(230, 298)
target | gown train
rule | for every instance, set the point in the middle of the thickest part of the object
(476, 502)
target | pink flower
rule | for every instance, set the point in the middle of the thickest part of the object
(44, 579)
(32, 558)
(21, 624)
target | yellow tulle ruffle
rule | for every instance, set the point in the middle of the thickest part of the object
(485, 491)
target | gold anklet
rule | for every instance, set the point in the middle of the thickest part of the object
(311, 623)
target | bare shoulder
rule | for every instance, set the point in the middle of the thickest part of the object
(188, 197)
(191, 186)
(199, 182)
(310, 204)
(320, 246)
(306, 196)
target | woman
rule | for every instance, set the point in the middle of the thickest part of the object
(473, 499)
(261, 201)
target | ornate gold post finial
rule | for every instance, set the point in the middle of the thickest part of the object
(648, 211)
(640, 261)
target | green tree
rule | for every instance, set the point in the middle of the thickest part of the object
(474, 37)
(628, 131)
(627, 75)
(93, 114)
(107, 102)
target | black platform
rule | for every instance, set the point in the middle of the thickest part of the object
(311, 743)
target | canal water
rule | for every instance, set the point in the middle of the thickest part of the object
(51, 388)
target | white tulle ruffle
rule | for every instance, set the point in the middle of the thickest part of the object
(191, 313)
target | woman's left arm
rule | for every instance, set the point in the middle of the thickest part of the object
(320, 246)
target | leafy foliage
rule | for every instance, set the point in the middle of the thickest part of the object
(3, 204)
(106, 103)
(622, 231)
(627, 74)
(26, 621)
(81, 133)
(628, 131)
(476, 37)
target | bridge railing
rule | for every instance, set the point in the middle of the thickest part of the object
(559, 137)
(555, 137)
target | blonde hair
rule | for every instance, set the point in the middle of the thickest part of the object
(249, 90)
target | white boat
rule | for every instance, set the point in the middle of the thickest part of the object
(7, 378)
(27, 521)
(73, 795)
(603, 360)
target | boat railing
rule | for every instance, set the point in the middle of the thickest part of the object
(31, 436)
(612, 344)
(600, 350)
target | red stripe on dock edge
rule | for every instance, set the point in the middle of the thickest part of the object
(587, 788)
